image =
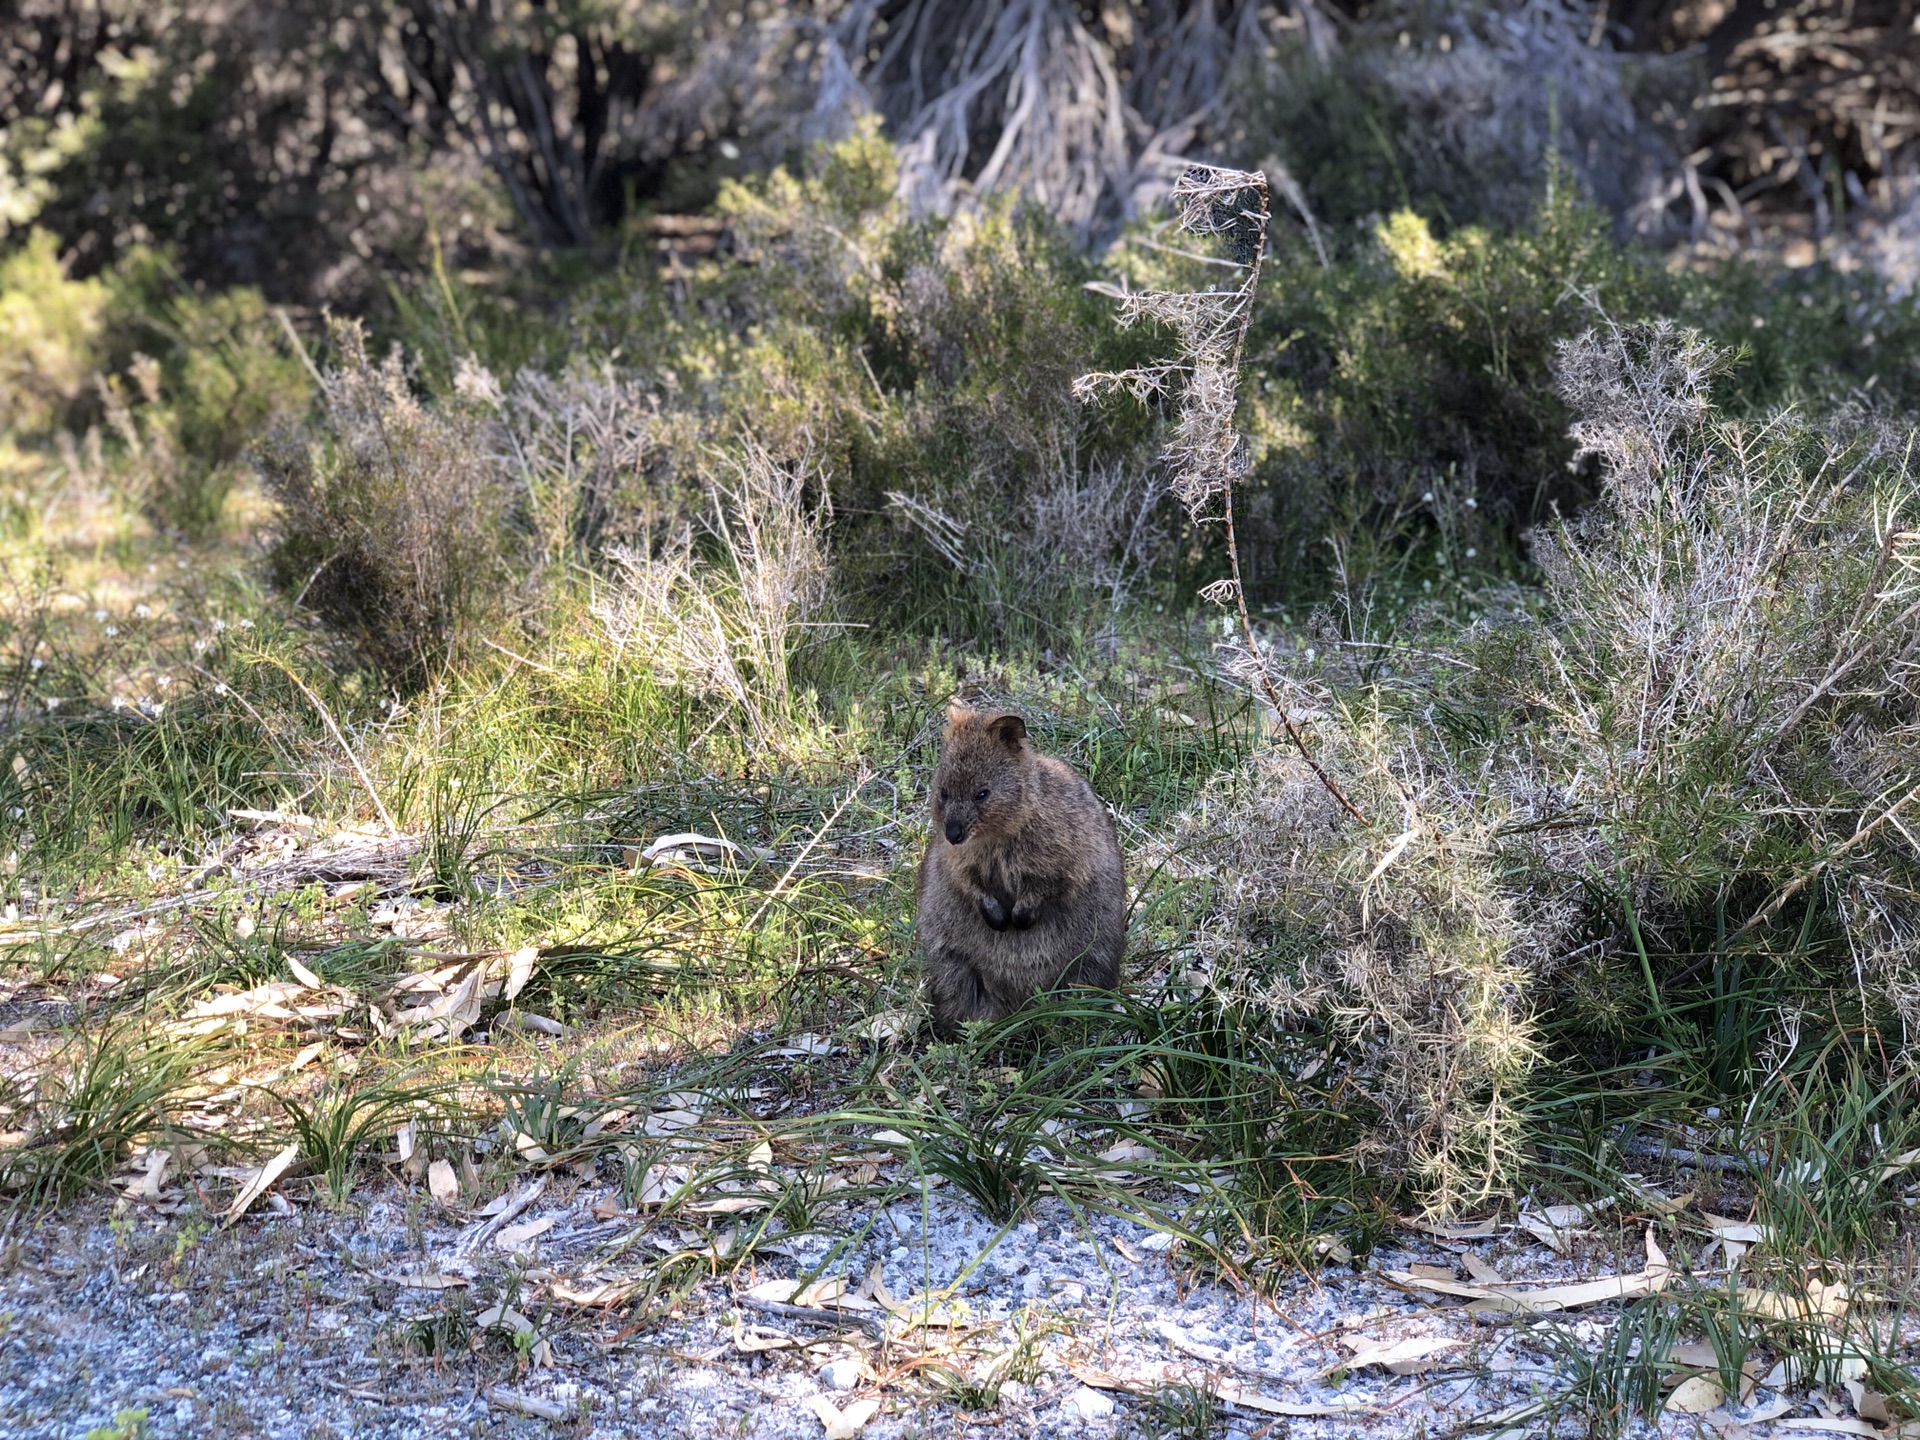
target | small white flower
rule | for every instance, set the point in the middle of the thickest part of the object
(246, 624)
(113, 629)
(1471, 552)
(99, 615)
(36, 663)
(141, 612)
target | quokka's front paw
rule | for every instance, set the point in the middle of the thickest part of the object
(993, 912)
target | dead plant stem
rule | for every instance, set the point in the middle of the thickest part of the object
(1233, 539)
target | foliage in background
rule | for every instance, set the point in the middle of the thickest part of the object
(730, 627)
(49, 334)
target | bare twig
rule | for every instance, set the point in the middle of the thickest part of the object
(1800, 882)
(1206, 453)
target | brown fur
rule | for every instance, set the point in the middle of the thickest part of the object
(1032, 895)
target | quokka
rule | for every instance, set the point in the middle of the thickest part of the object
(1022, 888)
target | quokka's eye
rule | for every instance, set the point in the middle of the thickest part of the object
(979, 796)
(944, 797)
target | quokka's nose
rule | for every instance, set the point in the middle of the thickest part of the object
(956, 832)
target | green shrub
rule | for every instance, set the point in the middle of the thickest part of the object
(49, 338)
(212, 373)
(1402, 405)
(924, 368)
(186, 381)
(1403, 399)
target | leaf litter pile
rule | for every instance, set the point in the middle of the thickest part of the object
(639, 1239)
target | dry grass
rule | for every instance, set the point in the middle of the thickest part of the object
(722, 614)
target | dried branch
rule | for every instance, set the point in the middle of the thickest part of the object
(1206, 453)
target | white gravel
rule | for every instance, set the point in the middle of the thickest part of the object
(284, 1326)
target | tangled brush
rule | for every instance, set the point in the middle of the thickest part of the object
(1705, 718)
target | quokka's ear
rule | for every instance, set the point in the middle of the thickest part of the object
(958, 716)
(1009, 730)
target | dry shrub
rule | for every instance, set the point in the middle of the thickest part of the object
(579, 445)
(152, 459)
(1522, 82)
(722, 613)
(396, 523)
(1729, 678)
(930, 363)
(1084, 533)
(1087, 117)
(1709, 710)
(1410, 942)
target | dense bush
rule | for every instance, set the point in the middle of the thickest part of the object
(186, 381)
(396, 521)
(1692, 749)
(1402, 403)
(923, 368)
(49, 339)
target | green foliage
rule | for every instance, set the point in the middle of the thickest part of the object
(334, 1126)
(97, 774)
(1343, 133)
(187, 381)
(925, 367)
(181, 133)
(108, 1088)
(1406, 423)
(1175, 1411)
(1686, 736)
(49, 338)
(1403, 400)
(127, 1425)
(1624, 1377)
(216, 372)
